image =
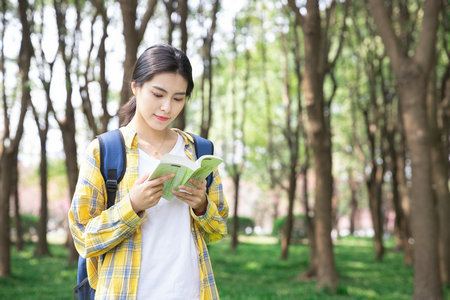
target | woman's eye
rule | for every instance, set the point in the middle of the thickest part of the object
(178, 99)
(157, 95)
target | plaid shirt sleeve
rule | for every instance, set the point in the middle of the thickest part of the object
(94, 229)
(212, 225)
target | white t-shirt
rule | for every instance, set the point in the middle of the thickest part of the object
(169, 260)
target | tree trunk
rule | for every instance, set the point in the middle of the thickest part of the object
(320, 138)
(238, 126)
(99, 124)
(70, 150)
(170, 9)
(133, 36)
(353, 201)
(15, 196)
(235, 224)
(67, 125)
(317, 65)
(405, 199)
(311, 273)
(42, 248)
(440, 180)
(412, 76)
(291, 134)
(5, 253)
(287, 230)
(208, 73)
(8, 163)
(183, 11)
(101, 58)
(374, 190)
(423, 211)
(401, 224)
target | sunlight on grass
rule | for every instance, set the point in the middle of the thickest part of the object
(264, 240)
(366, 293)
(252, 266)
(253, 271)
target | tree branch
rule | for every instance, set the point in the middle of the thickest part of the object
(151, 6)
(446, 25)
(341, 36)
(427, 34)
(386, 31)
(299, 19)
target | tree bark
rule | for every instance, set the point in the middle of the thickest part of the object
(353, 200)
(238, 128)
(100, 124)
(235, 223)
(292, 135)
(401, 224)
(42, 248)
(405, 200)
(170, 9)
(10, 145)
(440, 179)
(374, 185)
(183, 11)
(15, 196)
(67, 124)
(133, 36)
(207, 75)
(374, 181)
(412, 76)
(316, 67)
(5, 252)
(234, 170)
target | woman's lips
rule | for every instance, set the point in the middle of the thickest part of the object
(161, 118)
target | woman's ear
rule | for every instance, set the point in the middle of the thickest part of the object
(133, 87)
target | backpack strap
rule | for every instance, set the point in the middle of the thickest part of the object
(203, 147)
(113, 161)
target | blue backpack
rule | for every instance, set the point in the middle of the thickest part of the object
(113, 162)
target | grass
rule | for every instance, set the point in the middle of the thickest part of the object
(256, 272)
(39, 278)
(253, 271)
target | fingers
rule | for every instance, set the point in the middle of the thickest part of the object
(197, 183)
(142, 179)
(195, 196)
(145, 194)
(160, 180)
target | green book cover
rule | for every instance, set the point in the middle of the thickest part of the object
(184, 169)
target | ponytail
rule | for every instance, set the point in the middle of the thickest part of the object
(127, 111)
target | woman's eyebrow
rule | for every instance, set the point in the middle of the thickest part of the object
(163, 90)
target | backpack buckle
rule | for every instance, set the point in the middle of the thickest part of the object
(111, 185)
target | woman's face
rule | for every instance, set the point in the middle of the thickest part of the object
(160, 100)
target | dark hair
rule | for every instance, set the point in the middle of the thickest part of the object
(157, 59)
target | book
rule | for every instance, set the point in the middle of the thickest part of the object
(184, 169)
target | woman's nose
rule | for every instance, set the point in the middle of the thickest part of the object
(165, 105)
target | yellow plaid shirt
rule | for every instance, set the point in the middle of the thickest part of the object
(111, 239)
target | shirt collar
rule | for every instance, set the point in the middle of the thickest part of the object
(129, 136)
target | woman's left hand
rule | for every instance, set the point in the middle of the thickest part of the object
(194, 197)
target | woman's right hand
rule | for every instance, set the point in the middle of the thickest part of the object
(145, 194)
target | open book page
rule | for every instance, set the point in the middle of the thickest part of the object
(171, 164)
(184, 169)
(207, 164)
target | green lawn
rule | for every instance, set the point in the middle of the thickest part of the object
(254, 271)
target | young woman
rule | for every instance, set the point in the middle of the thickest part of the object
(145, 247)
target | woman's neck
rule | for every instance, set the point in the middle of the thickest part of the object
(148, 134)
(154, 142)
